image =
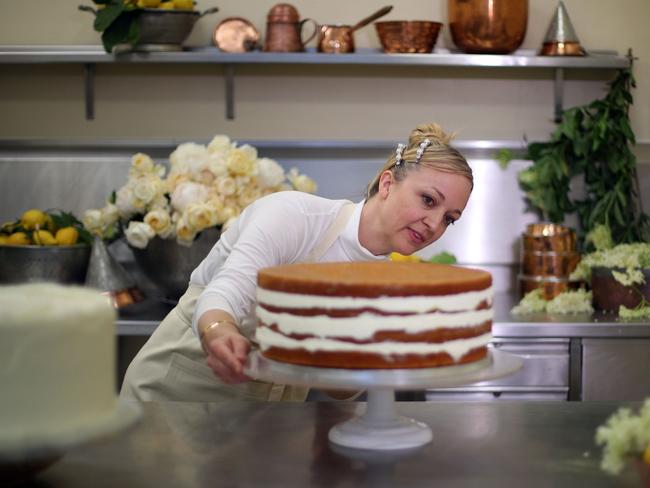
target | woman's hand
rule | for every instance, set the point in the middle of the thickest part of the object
(226, 351)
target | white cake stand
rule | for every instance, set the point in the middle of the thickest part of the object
(380, 427)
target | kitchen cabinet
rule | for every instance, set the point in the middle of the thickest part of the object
(89, 56)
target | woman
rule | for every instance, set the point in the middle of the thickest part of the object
(422, 189)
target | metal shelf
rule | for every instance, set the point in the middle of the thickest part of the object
(89, 56)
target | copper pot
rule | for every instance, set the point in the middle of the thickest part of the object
(488, 26)
(284, 29)
(404, 36)
(339, 38)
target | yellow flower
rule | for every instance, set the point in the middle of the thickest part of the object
(241, 161)
(200, 216)
(160, 222)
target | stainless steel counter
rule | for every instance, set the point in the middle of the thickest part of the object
(498, 444)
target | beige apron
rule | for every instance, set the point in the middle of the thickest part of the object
(171, 366)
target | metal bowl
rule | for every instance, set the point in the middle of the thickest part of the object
(60, 264)
(403, 36)
(169, 265)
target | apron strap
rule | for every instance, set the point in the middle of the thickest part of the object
(332, 233)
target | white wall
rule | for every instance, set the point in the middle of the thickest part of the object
(186, 102)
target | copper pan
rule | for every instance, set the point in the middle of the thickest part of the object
(339, 39)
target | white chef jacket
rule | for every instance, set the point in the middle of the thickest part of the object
(280, 228)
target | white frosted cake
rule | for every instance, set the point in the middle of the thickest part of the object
(57, 362)
(374, 315)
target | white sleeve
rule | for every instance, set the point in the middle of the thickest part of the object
(268, 234)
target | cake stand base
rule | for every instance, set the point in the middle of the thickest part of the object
(380, 428)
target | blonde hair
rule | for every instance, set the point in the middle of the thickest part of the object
(439, 155)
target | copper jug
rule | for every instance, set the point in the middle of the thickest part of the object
(284, 29)
(488, 26)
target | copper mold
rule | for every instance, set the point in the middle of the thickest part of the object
(236, 35)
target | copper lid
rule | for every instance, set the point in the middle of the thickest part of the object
(283, 12)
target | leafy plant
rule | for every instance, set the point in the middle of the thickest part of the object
(593, 142)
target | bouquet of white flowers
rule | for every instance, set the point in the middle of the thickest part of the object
(206, 186)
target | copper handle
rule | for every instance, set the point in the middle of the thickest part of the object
(313, 34)
(379, 13)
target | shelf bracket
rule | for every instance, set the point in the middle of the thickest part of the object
(230, 91)
(558, 89)
(89, 89)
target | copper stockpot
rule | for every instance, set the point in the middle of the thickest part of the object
(338, 39)
(284, 29)
(488, 26)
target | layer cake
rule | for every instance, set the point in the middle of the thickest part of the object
(374, 314)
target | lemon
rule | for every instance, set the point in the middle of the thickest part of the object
(167, 5)
(44, 238)
(148, 3)
(3, 240)
(33, 219)
(183, 4)
(18, 239)
(67, 236)
(395, 256)
(646, 455)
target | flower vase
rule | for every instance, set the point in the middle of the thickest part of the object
(169, 264)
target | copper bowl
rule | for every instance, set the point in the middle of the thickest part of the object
(408, 36)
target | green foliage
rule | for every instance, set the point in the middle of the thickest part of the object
(592, 142)
(443, 258)
(118, 22)
(67, 219)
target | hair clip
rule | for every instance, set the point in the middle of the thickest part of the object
(398, 154)
(423, 145)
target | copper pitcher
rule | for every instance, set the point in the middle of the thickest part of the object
(488, 26)
(339, 38)
(284, 29)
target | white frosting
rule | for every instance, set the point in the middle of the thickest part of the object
(57, 360)
(365, 325)
(456, 349)
(410, 304)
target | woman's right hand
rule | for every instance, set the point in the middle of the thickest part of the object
(226, 351)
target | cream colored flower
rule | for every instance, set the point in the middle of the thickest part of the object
(220, 145)
(146, 188)
(110, 214)
(242, 161)
(301, 182)
(138, 234)
(187, 193)
(218, 164)
(228, 213)
(200, 216)
(160, 221)
(161, 202)
(226, 186)
(228, 223)
(125, 202)
(141, 164)
(270, 173)
(189, 158)
(93, 221)
(185, 234)
(249, 196)
(173, 180)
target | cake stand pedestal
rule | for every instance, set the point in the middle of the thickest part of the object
(381, 427)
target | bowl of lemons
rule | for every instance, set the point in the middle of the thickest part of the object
(49, 245)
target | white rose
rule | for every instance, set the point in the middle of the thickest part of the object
(160, 203)
(227, 213)
(249, 196)
(217, 164)
(220, 145)
(141, 164)
(228, 223)
(187, 193)
(227, 186)
(125, 202)
(92, 220)
(270, 173)
(242, 161)
(200, 216)
(189, 158)
(110, 214)
(184, 233)
(146, 188)
(160, 221)
(138, 234)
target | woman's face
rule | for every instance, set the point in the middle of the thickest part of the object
(417, 210)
